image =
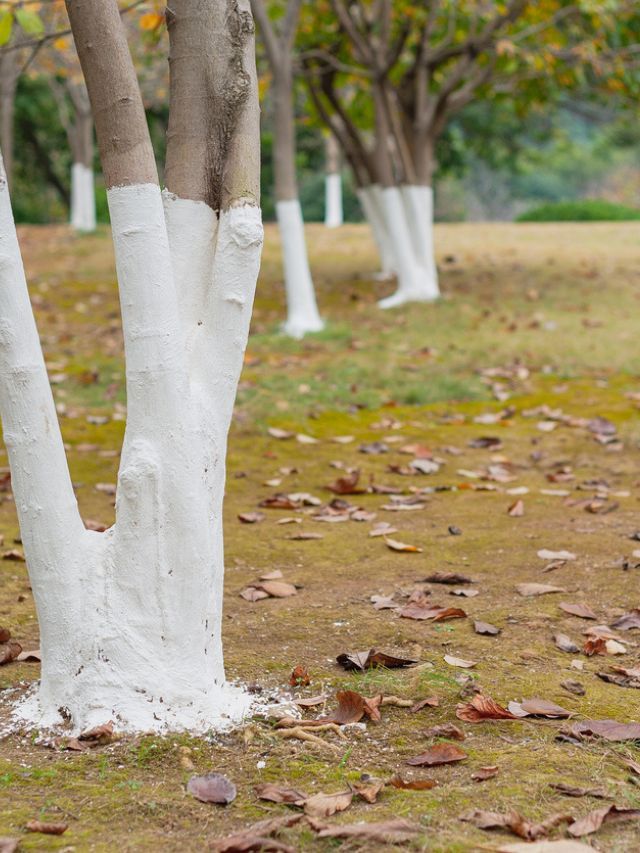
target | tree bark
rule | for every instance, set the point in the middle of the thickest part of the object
(9, 73)
(130, 619)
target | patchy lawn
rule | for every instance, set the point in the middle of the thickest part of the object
(533, 346)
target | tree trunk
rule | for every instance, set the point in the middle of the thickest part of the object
(130, 619)
(370, 198)
(9, 73)
(302, 309)
(333, 215)
(83, 198)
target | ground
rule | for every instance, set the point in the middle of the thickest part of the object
(553, 308)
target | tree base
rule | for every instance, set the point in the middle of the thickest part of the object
(297, 328)
(403, 298)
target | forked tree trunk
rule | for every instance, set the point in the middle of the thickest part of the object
(130, 619)
(333, 214)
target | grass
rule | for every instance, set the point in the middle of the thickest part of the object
(560, 301)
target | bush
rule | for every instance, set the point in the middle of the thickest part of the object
(586, 210)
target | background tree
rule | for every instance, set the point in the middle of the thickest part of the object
(278, 38)
(130, 618)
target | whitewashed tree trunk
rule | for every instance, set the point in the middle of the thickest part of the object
(302, 309)
(370, 198)
(83, 199)
(130, 619)
(409, 223)
(333, 214)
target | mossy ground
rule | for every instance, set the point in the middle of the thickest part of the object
(563, 300)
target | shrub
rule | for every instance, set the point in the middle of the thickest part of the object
(585, 210)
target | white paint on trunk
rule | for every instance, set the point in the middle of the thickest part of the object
(130, 619)
(83, 198)
(371, 200)
(408, 217)
(302, 310)
(333, 215)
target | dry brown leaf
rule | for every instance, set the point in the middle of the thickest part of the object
(8, 845)
(565, 644)
(627, 621)
(581, 610)
(371, 659)
(275, 589)
(412, 784)
(459, 662)
(538, 708)
(545, 554)
(5, 635)
(299, 677)
(450, 578)
(280, 794)
(563, 846)
(9, 652)
(428, 702)
(394, 545)
(573, 791)
(253, 594)
(423, 609)
(325, 805)
(383, 602)
(250, 517)
(98, 734)
(481, 708)
(610, 730)
(514, 822)
(486, 628)
(368, 791)
(14, 554)
(516, 510)
(529, 589)
(212, 788)
(485, 773)
(448, 730)
(282, 434)
(347, 485)
(439, 753)
(594, 820)
(257, 837)
(45, 827)
(395, 831)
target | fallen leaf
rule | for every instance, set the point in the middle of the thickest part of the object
(311, 701)
(46, 828)
(428, 702)
(594, 820)
(412, 784)
(368, 791)
(250, 517)
(5, 635)
(573, 687)
(347, 485)
(382, 529)
(282, 434)
(301, 438)
(368, 660)
(448, 730)
(352, 707)
(450, 578)
(98, 734)
(8, 845)
(9, 652)
(401, 546)
(280, 794)
(460, 662)
(515, 823)
(212, 788)
(628, 621)
(374, 448)
(610, 730)
(530, 589)
(325, 805)
(581, 610)
(565, 644)
(545, 554)
(486, 628)
(304, 536)
(424, 610)
(383, 602)
(395, 831)
(485, 773)
(538, 708)
(299, 677)
(481, 708)
(563, 846)
(465, 593)
(572, 791)
(253, 594)
(275, 589)
(516, 510)
(257, 836)
(14, 554)
(439, 753)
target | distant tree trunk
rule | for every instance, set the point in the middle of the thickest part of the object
(302, 309)
(130, 619)
(9, 74)
(333, 214)
(83, 198)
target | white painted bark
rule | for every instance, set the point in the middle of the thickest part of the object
(302, 310)
(130, 619)
(83, 198)
(371, 201)
(407, 217)
(333, 214)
